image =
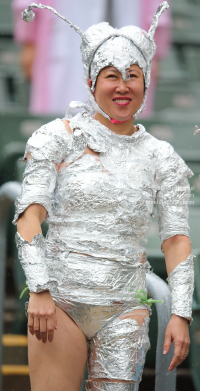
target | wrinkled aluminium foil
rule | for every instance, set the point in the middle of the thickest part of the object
(99, 212)
(110, 386)
(102, 45)
(181, 283)
(102, 205)
(118, 350)
(31, 256)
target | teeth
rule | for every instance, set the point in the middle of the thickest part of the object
(122, 100)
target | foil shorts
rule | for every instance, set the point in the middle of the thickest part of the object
(116, 347)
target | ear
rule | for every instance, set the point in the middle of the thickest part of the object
(90, 83)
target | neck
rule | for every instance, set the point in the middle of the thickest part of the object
(126, 128)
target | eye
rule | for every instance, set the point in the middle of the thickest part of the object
(112, 76)
(132, 75)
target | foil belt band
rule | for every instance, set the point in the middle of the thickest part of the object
(181, 283)
(32, 258)
(110, 386)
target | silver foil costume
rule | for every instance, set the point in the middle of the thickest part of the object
(100, 208)
(99, 212)
(181, 283)
(102, 45)
(32, 257)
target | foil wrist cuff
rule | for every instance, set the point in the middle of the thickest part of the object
(181, 284)
(32, 258)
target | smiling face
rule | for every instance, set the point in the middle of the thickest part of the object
(118, 98)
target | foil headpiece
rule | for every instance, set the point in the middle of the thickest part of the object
(102, 45)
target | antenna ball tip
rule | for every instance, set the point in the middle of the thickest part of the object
(28, 15)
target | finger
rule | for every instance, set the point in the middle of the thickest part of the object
(31, 323)
(167, 343)
(177, 356)
(37, 328)
(50, 329)
(185, 350)
(43, 329)
(174, 363)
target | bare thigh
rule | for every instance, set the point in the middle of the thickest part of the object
(58, 365)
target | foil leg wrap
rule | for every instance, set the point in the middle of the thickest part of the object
(110, 386)
(181, 283)
(32, 258)
(118, 351)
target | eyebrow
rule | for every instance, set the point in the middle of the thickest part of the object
(111, 69)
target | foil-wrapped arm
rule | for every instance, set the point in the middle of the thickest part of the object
(45, 150)
(173, 193)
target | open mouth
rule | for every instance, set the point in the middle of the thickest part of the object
(122, 101)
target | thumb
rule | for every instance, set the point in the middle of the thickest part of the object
(167, 343)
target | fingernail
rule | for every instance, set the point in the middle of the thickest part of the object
(164, 351)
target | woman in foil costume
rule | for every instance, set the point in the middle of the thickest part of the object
(96, 178)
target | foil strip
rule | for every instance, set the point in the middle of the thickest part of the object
(32, 258)
(181, 283)
(110, 386)
(118, 351)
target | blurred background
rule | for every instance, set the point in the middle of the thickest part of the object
(40, 73)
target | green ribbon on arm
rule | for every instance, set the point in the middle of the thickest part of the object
(142, 296)
(24, 290)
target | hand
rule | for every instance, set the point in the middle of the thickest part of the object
(42, 316)
(177, 332)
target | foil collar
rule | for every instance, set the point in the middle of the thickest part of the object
(181, 283)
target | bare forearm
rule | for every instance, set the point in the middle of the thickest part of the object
(176, 250)
(29, 224)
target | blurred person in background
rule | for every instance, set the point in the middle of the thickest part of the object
(50, 51)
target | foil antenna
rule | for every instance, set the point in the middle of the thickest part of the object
(28, 16)
(162, 8)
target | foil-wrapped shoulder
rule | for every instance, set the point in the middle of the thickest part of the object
(45, 149)
(173, 192)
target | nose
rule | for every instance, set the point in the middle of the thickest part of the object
(122, 86)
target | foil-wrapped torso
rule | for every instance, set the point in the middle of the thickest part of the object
(100, 206)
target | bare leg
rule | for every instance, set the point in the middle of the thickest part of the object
(58, 365)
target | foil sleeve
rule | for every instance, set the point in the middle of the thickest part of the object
(181, 283)
(46, 148)
(31, 256)
(173, 193)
